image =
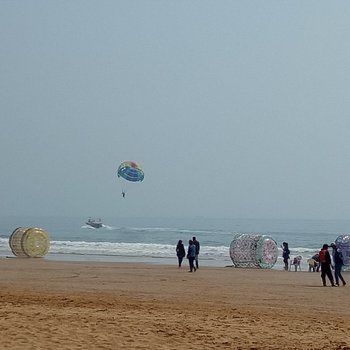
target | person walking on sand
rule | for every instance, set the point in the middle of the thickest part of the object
(326, 263)
(338, 264)
(285, 255)
(191, 255)
(180, 252)
(196, 243)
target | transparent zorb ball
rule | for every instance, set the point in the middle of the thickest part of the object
(343, 244)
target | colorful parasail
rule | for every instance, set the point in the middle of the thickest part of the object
(130, 171)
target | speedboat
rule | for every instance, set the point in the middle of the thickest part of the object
(94, 223)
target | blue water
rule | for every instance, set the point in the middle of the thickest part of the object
(153, 240)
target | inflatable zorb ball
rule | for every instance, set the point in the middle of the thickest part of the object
(29, 242)
(343, 244)
(250, 250)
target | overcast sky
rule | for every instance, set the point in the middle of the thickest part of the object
(235, 109)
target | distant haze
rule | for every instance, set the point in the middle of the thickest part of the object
(233, 108)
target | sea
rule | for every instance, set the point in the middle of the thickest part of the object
(153, 240)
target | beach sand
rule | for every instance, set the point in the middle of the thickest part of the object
(90, 305)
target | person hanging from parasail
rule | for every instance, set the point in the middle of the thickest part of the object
(129, 171)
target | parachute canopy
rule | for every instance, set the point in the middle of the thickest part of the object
(130, 171)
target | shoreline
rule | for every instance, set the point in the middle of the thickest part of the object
(79, 305)
(154, 260)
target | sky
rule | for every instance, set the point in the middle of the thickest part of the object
(234, 109)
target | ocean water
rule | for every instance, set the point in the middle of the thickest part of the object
(153, 240)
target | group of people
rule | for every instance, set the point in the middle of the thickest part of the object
(326, 265)
(192, 253)
(323, 260)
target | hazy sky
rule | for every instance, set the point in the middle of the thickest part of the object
(233, 108)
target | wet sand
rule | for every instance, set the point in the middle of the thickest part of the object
(90, 305)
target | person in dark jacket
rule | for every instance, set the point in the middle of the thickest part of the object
(338, 264)
(285, 255)
(196, 243)
(191, 255)
(326, 263)
(180, 252)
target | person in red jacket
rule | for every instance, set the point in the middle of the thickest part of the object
(326, 263)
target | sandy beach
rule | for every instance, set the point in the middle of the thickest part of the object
(76, 305)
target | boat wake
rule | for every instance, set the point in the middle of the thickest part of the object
(106, 227)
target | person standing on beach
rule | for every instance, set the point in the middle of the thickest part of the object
(180, 252)
(285, 255)
(196, 243)
(191, 255)
(338, 264)
(326, 263)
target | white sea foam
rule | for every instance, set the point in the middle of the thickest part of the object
(129, 249)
